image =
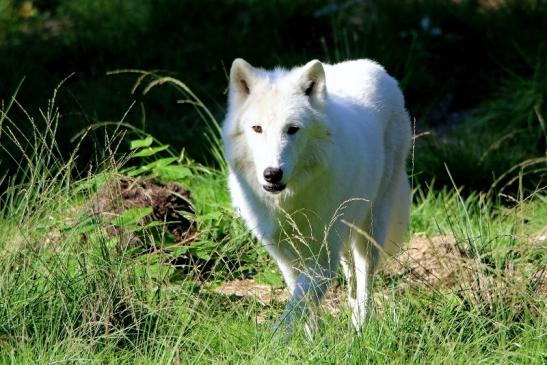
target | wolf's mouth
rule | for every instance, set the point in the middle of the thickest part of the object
(274, 188)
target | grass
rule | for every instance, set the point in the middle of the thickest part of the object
(68, 300)
(72, 293)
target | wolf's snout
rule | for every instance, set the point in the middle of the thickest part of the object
(273, 175)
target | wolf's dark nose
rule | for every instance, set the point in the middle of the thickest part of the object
(273, 175)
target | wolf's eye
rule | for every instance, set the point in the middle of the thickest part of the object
(257, 128)
(292, 130)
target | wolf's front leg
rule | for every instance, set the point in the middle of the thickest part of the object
(309, 289)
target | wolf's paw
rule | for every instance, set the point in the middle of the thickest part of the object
(312, 326)
(283, 328)
(297, 317)
(293, 313)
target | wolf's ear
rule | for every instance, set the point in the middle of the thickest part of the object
(242, 79)
(312, 80)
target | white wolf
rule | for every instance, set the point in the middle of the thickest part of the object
(317, 159)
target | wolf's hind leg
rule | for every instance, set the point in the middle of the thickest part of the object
(388, 222)
(348, 266)
(365, 261)
(366, 251)
(399, 215)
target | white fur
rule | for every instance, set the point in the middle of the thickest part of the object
(344, 172)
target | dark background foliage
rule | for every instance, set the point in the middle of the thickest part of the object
(474, 72)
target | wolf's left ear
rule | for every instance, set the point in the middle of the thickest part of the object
(312, 80)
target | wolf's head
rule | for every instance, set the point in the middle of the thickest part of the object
(274, 134)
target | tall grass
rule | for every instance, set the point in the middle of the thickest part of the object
(72, 292)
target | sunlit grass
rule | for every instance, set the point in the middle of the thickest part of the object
(70, 291)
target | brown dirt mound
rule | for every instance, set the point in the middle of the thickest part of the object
(539, 281)
(265, 294)
(431, 261)
(168, 202)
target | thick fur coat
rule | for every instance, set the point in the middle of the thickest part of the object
(317, 170)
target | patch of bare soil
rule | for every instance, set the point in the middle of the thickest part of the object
(538, 279)
(432, 261)
(541, 236)
(439, 263)
(247, 288)
(268, 295)
(169, 203)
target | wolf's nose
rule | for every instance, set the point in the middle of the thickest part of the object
(273, 175)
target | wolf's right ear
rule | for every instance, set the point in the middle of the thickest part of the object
(242, 79)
